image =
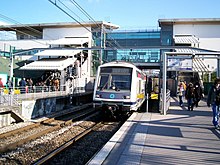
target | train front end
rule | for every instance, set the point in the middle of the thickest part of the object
(112, 91)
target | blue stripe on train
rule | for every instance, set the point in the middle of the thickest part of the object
(112, 94)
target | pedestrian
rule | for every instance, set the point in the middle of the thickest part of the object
(198, 93)
(22, 84)
(184, 87)
(1, 89)
(180, 91)
(9, 85)
(1, 83)
(214, 101)
(190, 96)
(30, 85)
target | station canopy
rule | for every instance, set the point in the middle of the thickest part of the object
(50, 64)
(185, 39)
(58, 52)
(187, 63)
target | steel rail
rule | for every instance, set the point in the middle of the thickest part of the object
(65, 145)
(57, 123)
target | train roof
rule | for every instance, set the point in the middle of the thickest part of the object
(119, 63)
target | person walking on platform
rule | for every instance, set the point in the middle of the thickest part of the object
(22, 84)
(9, 85)
(190, 96)
(184, 87)
(214, 101)
(1, 89)
(180, 92)
(1, 83)
(198, 93)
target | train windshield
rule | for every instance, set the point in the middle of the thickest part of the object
(115, 78)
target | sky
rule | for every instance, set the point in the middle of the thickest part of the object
(127, 14)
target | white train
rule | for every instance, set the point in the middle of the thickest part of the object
(119, 88)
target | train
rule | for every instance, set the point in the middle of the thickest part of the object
(119, 88)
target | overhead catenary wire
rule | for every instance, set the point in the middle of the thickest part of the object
(91, 19)
(72, 11)
(26, 26)
(39, 32)
(55, 4)
(13, 29)
(25, 33)
(83, 11)
(97, 25)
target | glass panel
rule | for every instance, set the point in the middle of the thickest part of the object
(121, 82)
(103, 84)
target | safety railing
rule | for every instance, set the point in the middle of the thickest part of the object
(168, 100)
(14, 96)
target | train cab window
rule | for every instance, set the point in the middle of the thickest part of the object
(103, 84)
(115, 82)
(122, 82)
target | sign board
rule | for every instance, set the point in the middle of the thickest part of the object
(179, 64)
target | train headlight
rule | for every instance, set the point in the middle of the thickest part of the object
(126, 97)
(97, 96)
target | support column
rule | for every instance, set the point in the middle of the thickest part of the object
(11, 63)
(62, 80)
(164, 84)
(218, 67)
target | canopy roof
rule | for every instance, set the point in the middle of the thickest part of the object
(58, 52)
(185, 39)
(49, 64)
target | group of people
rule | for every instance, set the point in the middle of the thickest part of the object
(192, 92)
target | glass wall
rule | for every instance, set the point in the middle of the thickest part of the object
(167, 35)
(133, 55)
(130, 46)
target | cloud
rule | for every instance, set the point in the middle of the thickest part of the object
(3, 23)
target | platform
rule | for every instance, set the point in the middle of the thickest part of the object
(180, 137)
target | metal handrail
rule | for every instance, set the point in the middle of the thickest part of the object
(13, 96)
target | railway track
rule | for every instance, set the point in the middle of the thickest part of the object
(12, 139)
(66, 145)
(81, 148)
(84, 130)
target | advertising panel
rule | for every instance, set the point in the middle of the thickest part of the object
(177, 64)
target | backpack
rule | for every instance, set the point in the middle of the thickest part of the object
(190, 93)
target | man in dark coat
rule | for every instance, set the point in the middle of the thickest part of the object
(190, 96)
(214, 101)
(198, 93)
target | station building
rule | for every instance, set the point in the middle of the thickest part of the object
(87, 45)
(68, 48)
(197, 33)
